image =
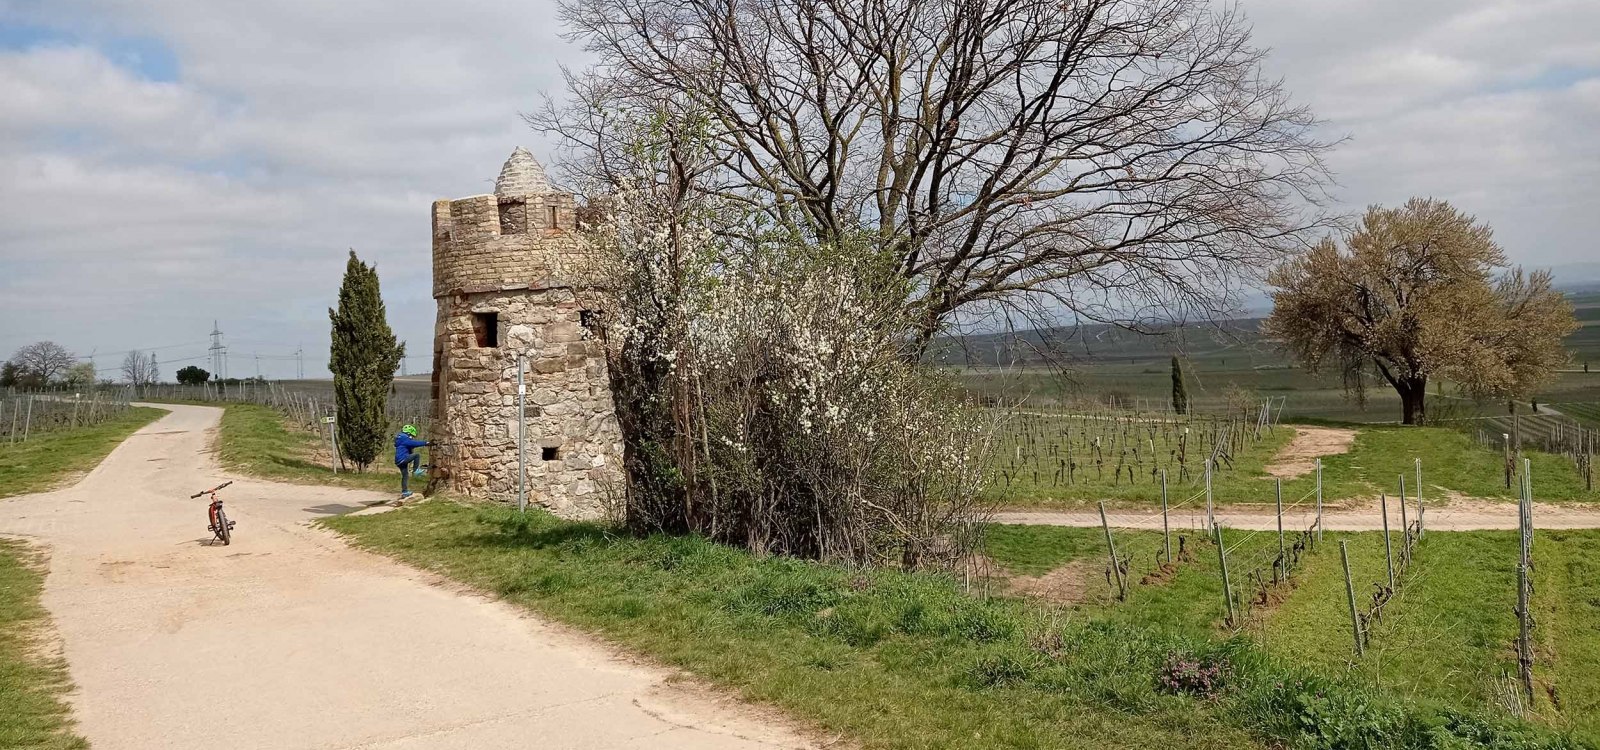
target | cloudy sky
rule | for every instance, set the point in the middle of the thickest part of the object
(184, 161)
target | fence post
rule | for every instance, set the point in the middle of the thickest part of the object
(1405, 525)
(1222, 560)
(1524, 616)
(27, 422)
(1350, 596)
(1211, 518)
(1283, 560)
(1388, 547)
(1319, 501)
(1111, 549)
(1505, 442)
(1419, 498)
(1166, 530)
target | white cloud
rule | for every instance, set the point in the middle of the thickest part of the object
(133, 211)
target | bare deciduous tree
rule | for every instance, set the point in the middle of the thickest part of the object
(1110, 160)
(139, 369)
(45, 360)
(1414, 295)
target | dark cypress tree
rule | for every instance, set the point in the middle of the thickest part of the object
(1180, 392)
(363, 358)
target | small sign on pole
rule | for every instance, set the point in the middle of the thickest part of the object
(333, 448)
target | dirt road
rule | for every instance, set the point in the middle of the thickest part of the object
(1457, 515)
(291, 639)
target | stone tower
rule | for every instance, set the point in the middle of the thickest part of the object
(503, 286)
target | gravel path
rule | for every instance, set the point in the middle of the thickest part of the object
(290, 638)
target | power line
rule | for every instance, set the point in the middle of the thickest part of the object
(219, 352)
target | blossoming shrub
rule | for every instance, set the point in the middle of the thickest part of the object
(766, 395)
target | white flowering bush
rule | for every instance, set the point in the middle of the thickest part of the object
(766, 395)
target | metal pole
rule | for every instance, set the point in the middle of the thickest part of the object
(1405, 524)
(1283, 560)
(1222, 560)
(522, 439)
(1111, 548)
(1319, 501)
(1211, 518)
(1350, 596)
(1419, 498)
(1166, 531)
(27, 422)
(1388, 547)
(333, 447)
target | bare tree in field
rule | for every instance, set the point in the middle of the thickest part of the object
(139, 369)
(1109, 160)
(1417, 292)
(46, 360)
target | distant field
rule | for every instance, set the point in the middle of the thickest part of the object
(1032, 465)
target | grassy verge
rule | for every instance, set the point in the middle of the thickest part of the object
(1445, 638)
(46, 461)
(32, 714)
(256, 440)
(910, 660)
(1452, 462)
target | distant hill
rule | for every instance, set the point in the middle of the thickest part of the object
(1107, 344)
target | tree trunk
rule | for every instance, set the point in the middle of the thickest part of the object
(1413, 398)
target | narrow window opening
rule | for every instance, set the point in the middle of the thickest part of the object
(550, 453)
(552, 210)
(590, 321)
(433, 378)
(486, 329)
(514, 217)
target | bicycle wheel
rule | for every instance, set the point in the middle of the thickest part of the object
(223, 532)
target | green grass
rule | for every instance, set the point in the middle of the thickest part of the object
(256, 440)
(897, 660)
(1446, 636)
(48, 460)
(32, 686)
(1452, 462)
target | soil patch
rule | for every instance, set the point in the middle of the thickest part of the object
(1299, 457)
(1068, 584)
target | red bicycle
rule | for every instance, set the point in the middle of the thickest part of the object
(219, 523)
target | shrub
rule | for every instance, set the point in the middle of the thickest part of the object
(1184, 673)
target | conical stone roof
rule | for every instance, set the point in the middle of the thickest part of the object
(521, 175)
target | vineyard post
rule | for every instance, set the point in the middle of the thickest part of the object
(1222, 560)
(27, 422)
(1282, 559)
(1166, 531)
(1388, 547)
(1405, 525)
(1419, 498)
(1350, 595)
(1211, 519)
(1111, 549)
(1319, 501)
(1505, 440)
(1524, 617)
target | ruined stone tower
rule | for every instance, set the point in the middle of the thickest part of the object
(503, 284)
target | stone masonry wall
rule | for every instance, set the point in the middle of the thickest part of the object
(472, 255)
(569, 407)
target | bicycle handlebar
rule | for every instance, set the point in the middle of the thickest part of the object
(213, 489)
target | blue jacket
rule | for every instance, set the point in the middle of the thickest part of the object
(403, 446)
